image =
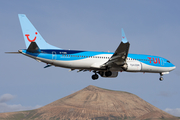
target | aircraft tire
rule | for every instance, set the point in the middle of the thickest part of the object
(161, 78)
(95, 77)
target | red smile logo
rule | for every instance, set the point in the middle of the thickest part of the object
(27, 35)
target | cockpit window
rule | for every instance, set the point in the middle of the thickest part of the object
(168, 61)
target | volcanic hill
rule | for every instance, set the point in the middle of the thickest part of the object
(94, 103)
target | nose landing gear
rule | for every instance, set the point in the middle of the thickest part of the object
(161, 78)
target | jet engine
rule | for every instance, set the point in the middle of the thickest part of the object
(134, 66)
(109, 74)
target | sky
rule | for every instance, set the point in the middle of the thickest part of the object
(151, 26)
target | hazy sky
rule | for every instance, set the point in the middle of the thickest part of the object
(152, 27)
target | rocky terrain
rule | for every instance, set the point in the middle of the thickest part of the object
(94, 103)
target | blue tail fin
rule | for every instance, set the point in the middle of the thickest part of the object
(30, 34)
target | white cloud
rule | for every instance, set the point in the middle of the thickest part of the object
(11, 108)
(6, 97)
(4, 107)
(175, 112)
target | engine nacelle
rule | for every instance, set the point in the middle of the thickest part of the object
(113, 75)
(134, 66)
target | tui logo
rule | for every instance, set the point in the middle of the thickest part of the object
(27, 35)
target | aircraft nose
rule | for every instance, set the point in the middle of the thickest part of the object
(174, 67)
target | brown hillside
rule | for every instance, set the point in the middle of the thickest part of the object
(97, 104)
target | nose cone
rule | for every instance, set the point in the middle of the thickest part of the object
(174, 67)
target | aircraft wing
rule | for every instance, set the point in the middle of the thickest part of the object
(120, 55)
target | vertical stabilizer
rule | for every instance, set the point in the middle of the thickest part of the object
(30, 34)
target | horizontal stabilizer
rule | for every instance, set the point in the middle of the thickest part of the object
(47, 66)
(12, 52)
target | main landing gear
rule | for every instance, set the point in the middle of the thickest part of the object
(161, 78)
(95, 76)
(102, 74)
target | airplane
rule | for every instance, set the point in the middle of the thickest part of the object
(104, 64)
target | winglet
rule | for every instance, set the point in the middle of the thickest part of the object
(124, 40)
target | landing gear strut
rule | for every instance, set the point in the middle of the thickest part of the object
(161, 78)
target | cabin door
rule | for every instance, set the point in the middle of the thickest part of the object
(53, 55)
(162, 62)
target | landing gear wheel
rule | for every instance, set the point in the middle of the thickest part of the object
(108, 73)
(161, 78)
(95, 77)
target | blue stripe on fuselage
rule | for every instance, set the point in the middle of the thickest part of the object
(66, 55)
(151, 60)
(69, 55)
(49, 51)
